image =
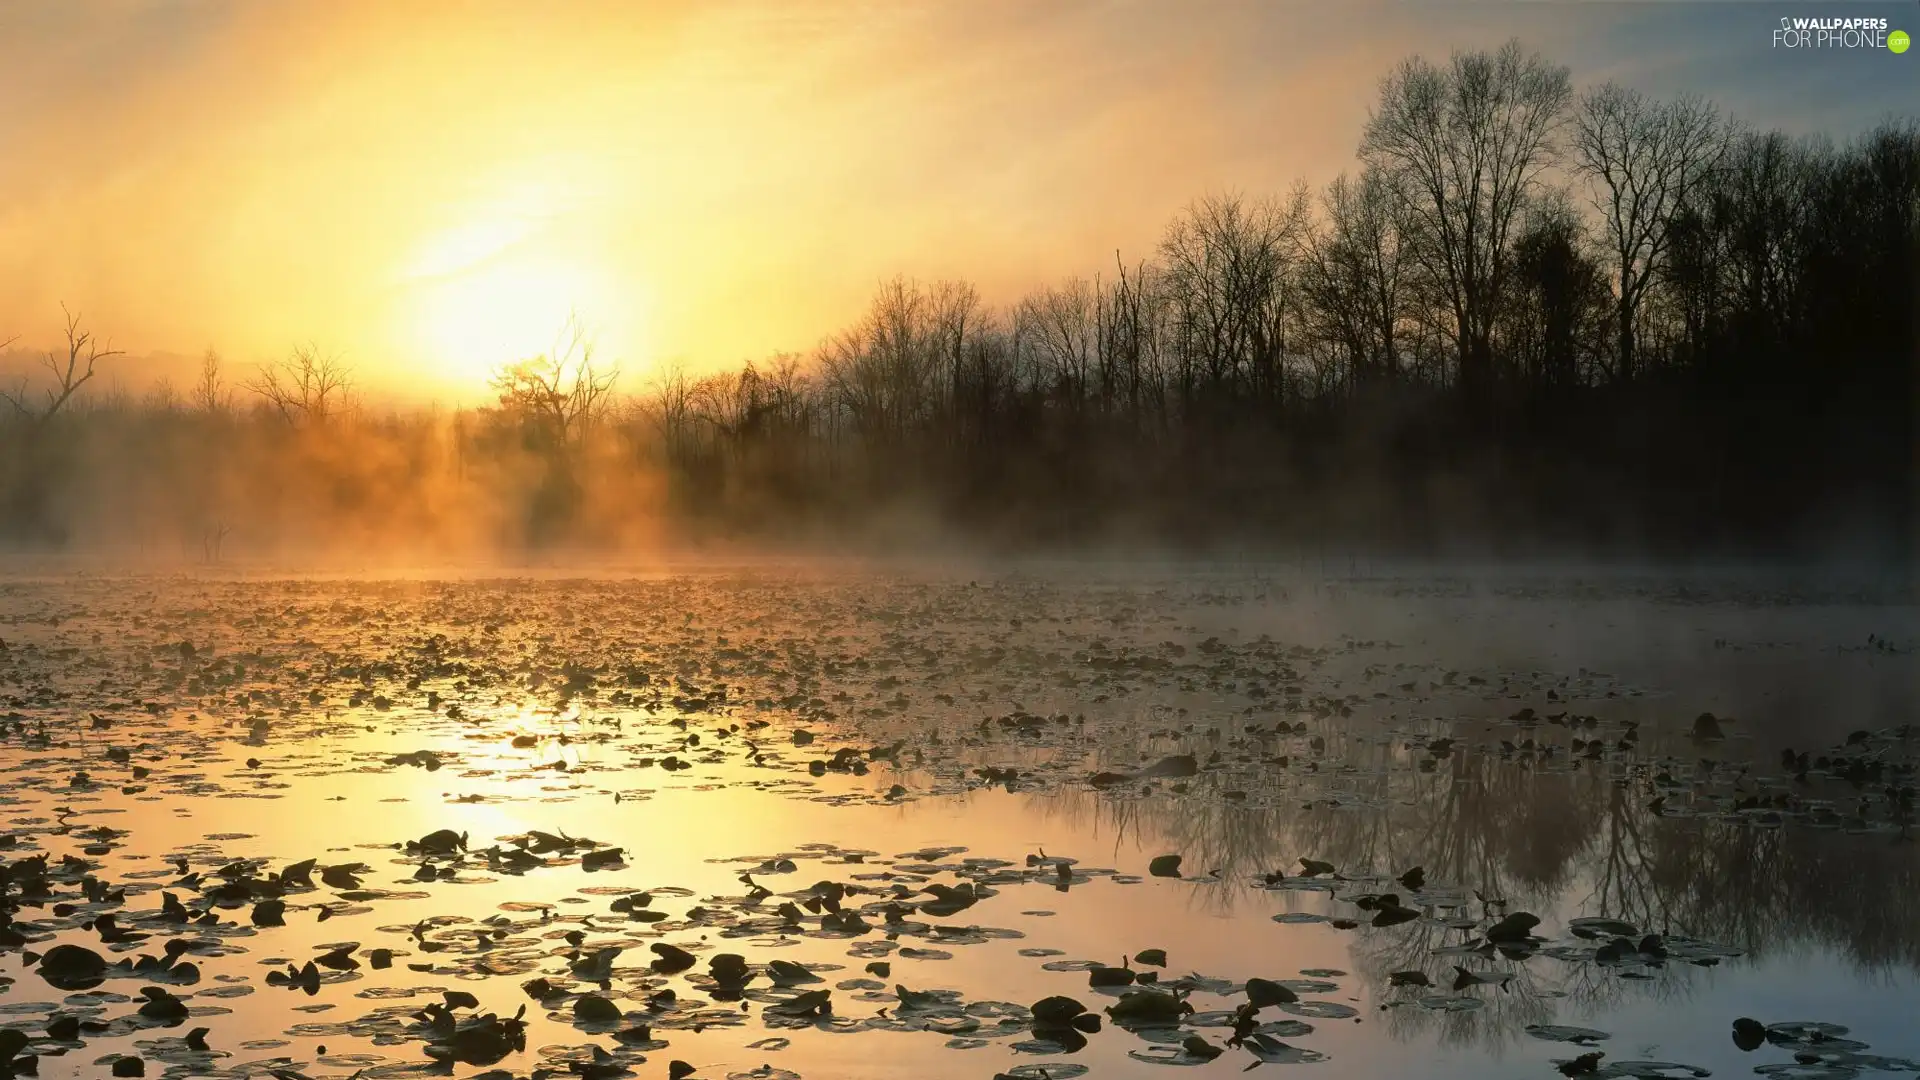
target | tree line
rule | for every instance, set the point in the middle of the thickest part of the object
(1529, 316)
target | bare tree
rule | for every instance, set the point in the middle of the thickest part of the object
(1558, 304)
(1229, 265)
(1130, 319)
(212, 537)
(18, 393)
(161, 397)
(562, 390)
(670, 406)
(69, 375)
(1066, 324)
(1465, 147)
(308, 387)
(880, 371)
(210, 393)
(1355, 280)
(1772, 189)
(727, 401)
(957, 317)
(1645, 159)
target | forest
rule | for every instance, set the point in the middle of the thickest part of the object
(1531, 317)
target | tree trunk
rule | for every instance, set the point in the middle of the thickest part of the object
(1625, 330)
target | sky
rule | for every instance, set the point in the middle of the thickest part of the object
(427, 190)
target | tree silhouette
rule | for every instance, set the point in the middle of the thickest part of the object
(1645, 159)
(69, 374)
(306, 388)
(561, 393)
(1466, 147)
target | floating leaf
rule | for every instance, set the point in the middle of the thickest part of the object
(596, 1009)
(1558, 1033)
(72, 967)
(1264, 992)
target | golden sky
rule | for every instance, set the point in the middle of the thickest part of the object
(427, 189)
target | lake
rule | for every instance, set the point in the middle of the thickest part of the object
(828, 819)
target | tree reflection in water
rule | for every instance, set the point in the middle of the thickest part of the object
(1561, 837)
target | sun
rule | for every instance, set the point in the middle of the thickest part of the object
(495, 290)
(503, 310)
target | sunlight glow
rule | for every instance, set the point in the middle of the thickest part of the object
(502, 310)
(501, 272)
(460, 248)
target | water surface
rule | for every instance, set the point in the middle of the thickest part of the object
(937, 799)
